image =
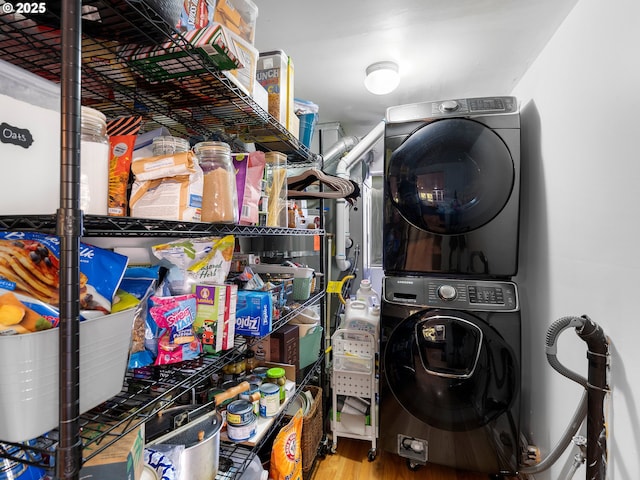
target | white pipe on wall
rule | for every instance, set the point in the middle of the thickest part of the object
(345, 165)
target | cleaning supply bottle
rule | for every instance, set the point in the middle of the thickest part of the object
(367, 294)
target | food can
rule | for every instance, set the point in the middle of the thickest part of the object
(240, 433)
(261, 372)
(252, 395)
(269, 399)
(240, 412)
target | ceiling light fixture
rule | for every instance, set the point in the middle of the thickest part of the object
(382, 77)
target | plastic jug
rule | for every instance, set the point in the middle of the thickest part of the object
(367, 294)
(358, 315)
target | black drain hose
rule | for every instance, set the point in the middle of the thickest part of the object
(596, 389)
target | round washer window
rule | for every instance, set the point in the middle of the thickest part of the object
(451, 176)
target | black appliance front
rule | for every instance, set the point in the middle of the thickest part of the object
(450, 373)
(452, 187)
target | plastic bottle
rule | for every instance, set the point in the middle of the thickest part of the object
(94, 162)
(367, 294)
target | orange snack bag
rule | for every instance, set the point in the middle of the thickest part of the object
(122, 138)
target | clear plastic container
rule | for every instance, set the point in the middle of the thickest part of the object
(219, 195)
(275, 189)
(94, 163)
(167, 145)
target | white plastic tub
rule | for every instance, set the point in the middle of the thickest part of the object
(29, 373)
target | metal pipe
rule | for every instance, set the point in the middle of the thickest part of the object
(332, 155)
(598, 388)
(69, 229)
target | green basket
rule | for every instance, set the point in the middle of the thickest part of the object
(310, 347)
(302, 288)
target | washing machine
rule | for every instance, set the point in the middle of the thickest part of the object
(450, 366)
(452, 188)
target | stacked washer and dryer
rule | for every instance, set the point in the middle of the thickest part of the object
(450, 323)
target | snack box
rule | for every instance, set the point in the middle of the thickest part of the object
(273, 74)
(216, 316)
(169, 60)
(29, 375)
(253, 313)
(239, 16)
(245, 76)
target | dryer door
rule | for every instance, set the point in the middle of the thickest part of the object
(450, 369)
(450, 176)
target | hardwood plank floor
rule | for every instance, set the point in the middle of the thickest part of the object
(350, 462)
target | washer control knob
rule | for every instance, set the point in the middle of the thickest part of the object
(449, 106)
(447, 292)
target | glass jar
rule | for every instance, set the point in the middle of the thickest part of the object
(168, 145)
(276, 375)
(94, 162)
(250, 359)
(274, 195)
(219, 194)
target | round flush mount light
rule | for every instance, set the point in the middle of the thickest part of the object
(382, 77)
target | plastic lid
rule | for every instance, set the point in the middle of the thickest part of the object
(365, 284)
(166, 144)
(275, 372)
(212, 147)
(275, 157)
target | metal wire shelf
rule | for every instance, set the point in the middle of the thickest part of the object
(207, 105)
(146, 391)
(103, 226)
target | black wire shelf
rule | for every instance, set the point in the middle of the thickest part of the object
(208, 105)
(104, 226)
(145, 392)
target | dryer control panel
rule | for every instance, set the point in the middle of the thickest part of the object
(461, 294)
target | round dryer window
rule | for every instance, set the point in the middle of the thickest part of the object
(451, 370)
(451, 176)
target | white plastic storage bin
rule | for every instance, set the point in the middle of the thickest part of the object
(29, 142)
(29, 374)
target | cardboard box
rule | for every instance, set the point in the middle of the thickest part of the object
(169, 61)
(216, 316)
(272, 74)
(239, 16)
(245, 75)
(285, 345)
(292, 123)
(253, 313)
(124, 459)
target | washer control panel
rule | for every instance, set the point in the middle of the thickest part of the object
(461, 294)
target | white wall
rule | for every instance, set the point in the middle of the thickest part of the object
(581, 221)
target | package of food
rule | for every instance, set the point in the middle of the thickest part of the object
(286, 454)
(122, 138)
(175, 316)
(29, 261)
(249, 169)
(18, 317)
(193, 261)
(167, 187)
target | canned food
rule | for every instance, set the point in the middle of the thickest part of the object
(252, 395)
(240, 412)
(269, 399)
(261, 372)
(240, 433)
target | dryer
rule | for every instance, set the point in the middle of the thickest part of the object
(452, 188)
(450, 373)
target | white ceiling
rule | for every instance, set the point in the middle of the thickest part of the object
(445, 48)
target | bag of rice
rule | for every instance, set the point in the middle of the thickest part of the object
(286, 454)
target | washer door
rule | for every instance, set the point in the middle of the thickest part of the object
(450, 176)
(450, 369)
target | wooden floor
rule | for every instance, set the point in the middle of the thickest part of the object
(350, 462)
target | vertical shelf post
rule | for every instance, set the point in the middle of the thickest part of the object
(69, 229)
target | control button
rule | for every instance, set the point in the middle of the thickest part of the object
(449, 106)
(447, 292)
